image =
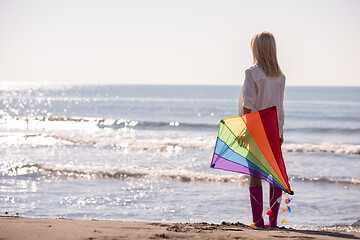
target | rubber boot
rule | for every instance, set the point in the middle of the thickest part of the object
(274, 194)
(256, 199)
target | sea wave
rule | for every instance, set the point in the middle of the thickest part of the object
(338, 148)
(60, 130)
(355, 227)
(59, 122)
(108, 141)
(343, 180)
(46, 171)
(322, 130)
(11, 139)
(118, 124)
(137, 142)
(49, 171)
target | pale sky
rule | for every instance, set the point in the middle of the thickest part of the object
(203, 42)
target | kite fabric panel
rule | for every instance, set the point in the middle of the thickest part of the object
(250, 144)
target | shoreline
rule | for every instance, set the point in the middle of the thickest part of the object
(45, 228)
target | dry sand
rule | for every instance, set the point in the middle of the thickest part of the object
(36, 228)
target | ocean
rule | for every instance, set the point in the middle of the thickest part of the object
(143, 153)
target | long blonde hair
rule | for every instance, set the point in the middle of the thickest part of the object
(264, 54)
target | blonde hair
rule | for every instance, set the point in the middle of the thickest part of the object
(264, 54)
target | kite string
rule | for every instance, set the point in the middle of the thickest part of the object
(277, 200)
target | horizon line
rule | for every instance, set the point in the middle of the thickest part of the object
(41, 83)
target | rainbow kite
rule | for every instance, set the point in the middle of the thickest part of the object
(250, 144)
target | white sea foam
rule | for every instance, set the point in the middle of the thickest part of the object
(91, 131)
(338, 148)
(48, 123)
(337, 228)
(11, 139)
(50, 171)
(344, 180)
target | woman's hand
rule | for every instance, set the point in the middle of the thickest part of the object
(246, 110)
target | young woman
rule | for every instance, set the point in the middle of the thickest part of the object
(263, 87)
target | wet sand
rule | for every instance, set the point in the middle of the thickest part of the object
(42, 228)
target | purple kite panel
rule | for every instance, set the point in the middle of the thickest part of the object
(224, 164)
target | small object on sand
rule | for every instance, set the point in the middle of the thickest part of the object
(284, 209)
(288, 209)
(6, 213)
(286, 201)
(252, 225)
(283, 221)
(269, 212)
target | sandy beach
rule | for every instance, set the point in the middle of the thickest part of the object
(41, 228)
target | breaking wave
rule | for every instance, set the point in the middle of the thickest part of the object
(110, 141)
(323, 147)
(354, 227)
(59, 130)
(343, 180)
(48, 171)
(63, 121)
(322, 130)
(159, 145)
(88, 123)
(44, 171)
